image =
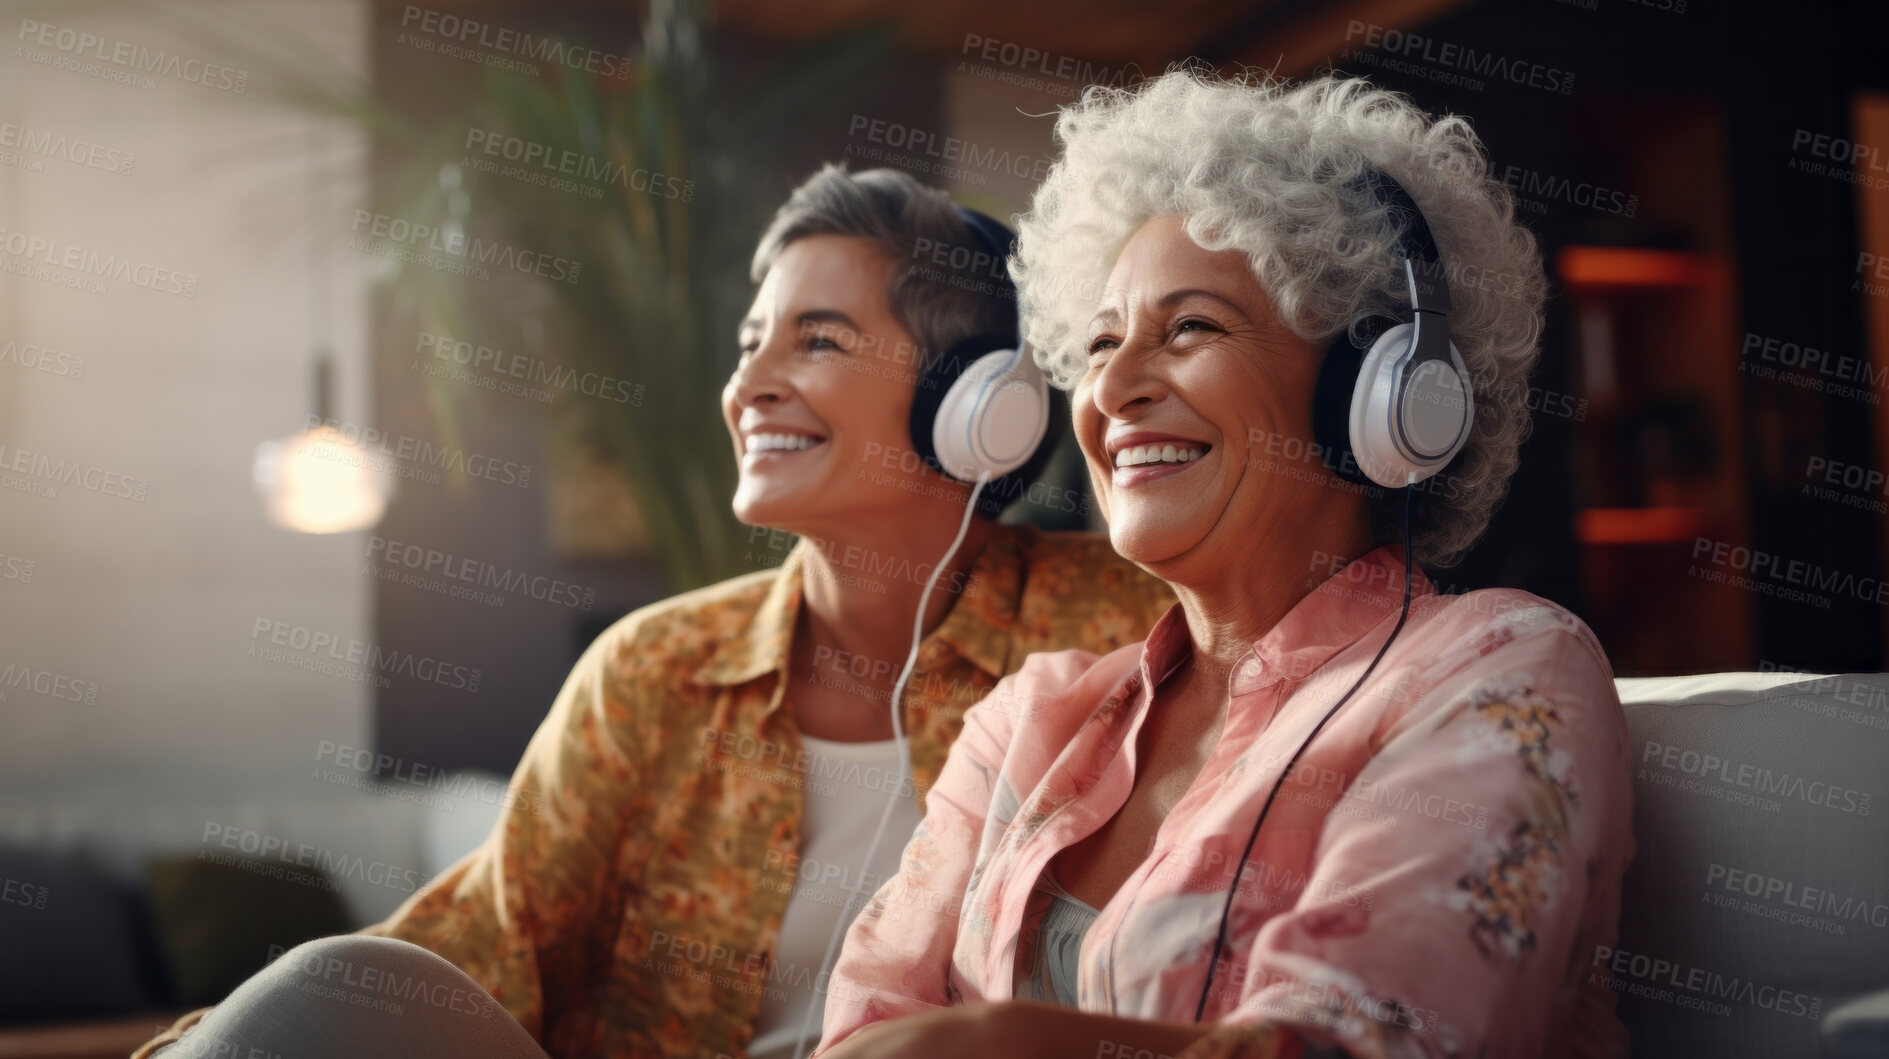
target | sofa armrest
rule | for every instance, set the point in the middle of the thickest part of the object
(1858, 1029)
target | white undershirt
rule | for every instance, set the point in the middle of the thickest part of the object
(847, 788)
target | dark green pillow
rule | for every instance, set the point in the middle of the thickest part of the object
(218, 923)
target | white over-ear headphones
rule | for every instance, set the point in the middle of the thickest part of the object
(1409, 408)
(993, 417)
(983, 407)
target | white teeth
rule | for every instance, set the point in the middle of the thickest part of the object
(779, 442)
(1136, 455)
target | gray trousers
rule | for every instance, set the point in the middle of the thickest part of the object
(356, 997)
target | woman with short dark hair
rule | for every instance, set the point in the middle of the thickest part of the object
(691, 821)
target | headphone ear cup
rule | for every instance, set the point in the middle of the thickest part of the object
(934, 385)
(1428, 401)
(993, 417)
(1439, 410)
(1331, 407)
(970, 414)
(1370, 424)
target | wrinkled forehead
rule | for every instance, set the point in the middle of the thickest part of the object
(1159, 262)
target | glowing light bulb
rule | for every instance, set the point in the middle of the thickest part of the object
(321, 482)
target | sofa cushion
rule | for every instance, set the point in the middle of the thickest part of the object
(218, 921)
(69, 941)
(1759, 898)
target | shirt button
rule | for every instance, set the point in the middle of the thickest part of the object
(1248, 674)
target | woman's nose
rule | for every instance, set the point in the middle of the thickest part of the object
(1128, 379)
(758, 379)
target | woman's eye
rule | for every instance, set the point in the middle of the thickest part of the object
(1194, 323)
(817, 343)
(1100, 343)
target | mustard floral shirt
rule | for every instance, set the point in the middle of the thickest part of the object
(629, 902)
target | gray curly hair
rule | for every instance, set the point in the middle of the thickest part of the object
(1261, 165)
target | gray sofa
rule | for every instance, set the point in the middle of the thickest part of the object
(1755, 917)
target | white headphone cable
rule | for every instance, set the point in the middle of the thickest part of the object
(905, 760)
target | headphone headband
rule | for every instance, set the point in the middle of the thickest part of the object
(1415, 245)
(996, 237)
(1414, 239)
(984, 406)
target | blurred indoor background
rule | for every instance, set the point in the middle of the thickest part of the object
(463, 278)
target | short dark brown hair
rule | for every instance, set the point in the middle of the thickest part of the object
(940, 307)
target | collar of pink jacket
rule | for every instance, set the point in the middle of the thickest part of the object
(1342, 606)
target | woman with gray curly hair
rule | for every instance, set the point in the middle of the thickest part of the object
(1323, 809)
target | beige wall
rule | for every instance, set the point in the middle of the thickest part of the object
(154, 601)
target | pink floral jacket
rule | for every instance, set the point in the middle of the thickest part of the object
(1433, 878)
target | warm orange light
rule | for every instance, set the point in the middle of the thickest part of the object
(1619, 266)
(1637, 525)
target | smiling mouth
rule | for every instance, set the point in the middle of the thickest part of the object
(1163, 452)
(769, 444)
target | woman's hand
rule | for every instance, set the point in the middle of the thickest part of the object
(942, 1033)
